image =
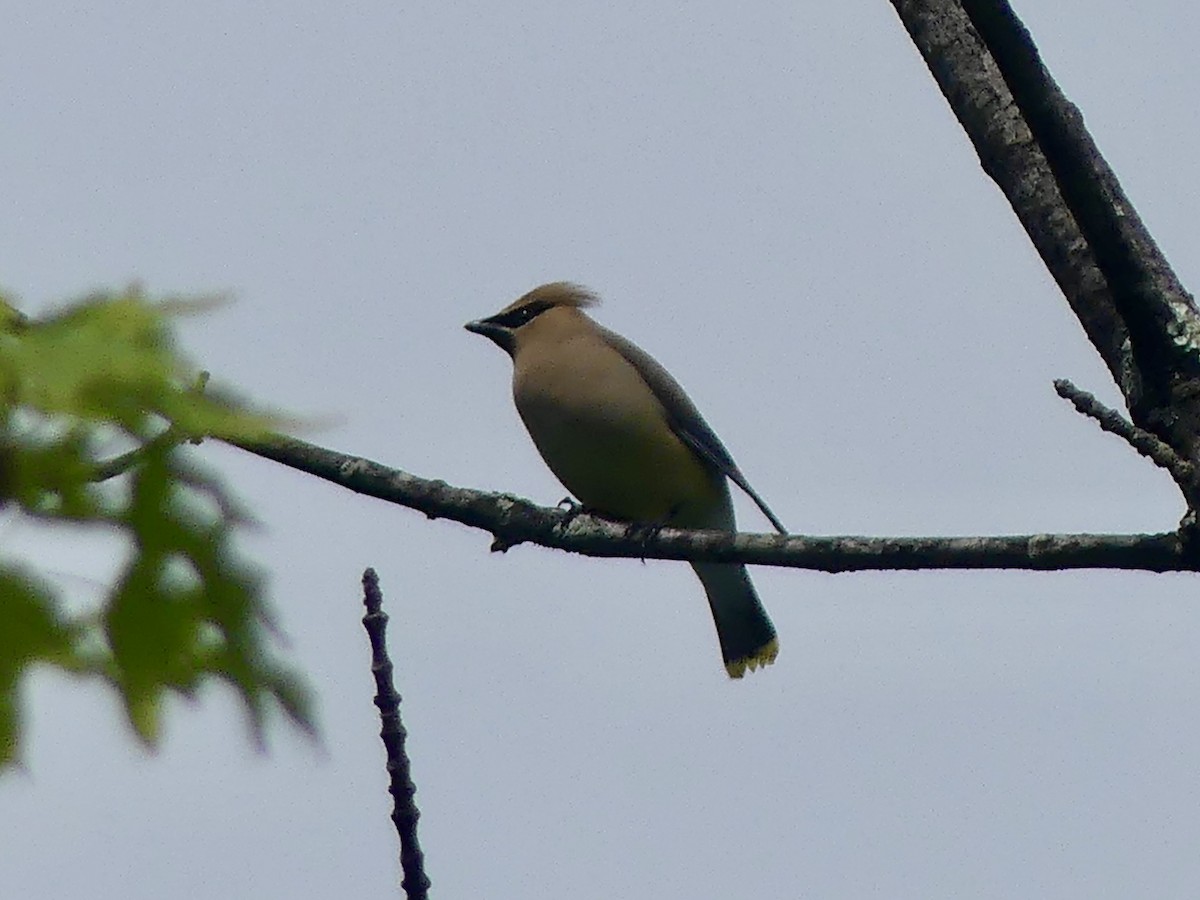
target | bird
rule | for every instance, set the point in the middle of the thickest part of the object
(624, 438)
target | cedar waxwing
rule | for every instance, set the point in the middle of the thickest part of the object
(621, 435)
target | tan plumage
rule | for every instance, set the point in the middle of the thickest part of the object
(620, 433)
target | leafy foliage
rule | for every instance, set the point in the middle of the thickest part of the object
(186, 608)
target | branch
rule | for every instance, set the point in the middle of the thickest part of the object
(169, 437)
(119, 465)
(1142, 441)
(980, 100)
(1159, 314)
(1032, 142)
(513, 521)
(404, 808)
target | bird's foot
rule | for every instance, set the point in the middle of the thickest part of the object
(644, 533)
(572, 509)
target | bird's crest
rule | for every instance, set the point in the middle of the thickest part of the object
(558, 293)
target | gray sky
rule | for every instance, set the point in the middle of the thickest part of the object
(775, 202)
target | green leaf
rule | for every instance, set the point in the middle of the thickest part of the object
(186, 609)
(30, 632)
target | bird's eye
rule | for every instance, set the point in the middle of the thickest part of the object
(523, 314)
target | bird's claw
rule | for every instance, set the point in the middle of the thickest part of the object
(643, 533)
(572, 509)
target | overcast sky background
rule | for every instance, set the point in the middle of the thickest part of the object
(775, 201)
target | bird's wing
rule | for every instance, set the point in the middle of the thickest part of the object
(685, 419)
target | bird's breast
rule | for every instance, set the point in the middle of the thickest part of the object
(605, 435)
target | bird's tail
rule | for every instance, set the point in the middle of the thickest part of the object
(743, 627)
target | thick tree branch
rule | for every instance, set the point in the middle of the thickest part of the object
(983, 105)
(513, 521)
(1033, 144)
(1158, 313)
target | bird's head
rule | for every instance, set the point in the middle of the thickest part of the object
(531, 312)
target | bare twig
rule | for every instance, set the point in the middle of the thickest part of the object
(1149, 446)
(404, 808)
(169, 437)
(513, 521)
(119, 465)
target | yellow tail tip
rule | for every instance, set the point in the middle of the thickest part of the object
(763, 656)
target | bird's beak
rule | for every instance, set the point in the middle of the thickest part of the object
(482, 326)
(499, 335)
